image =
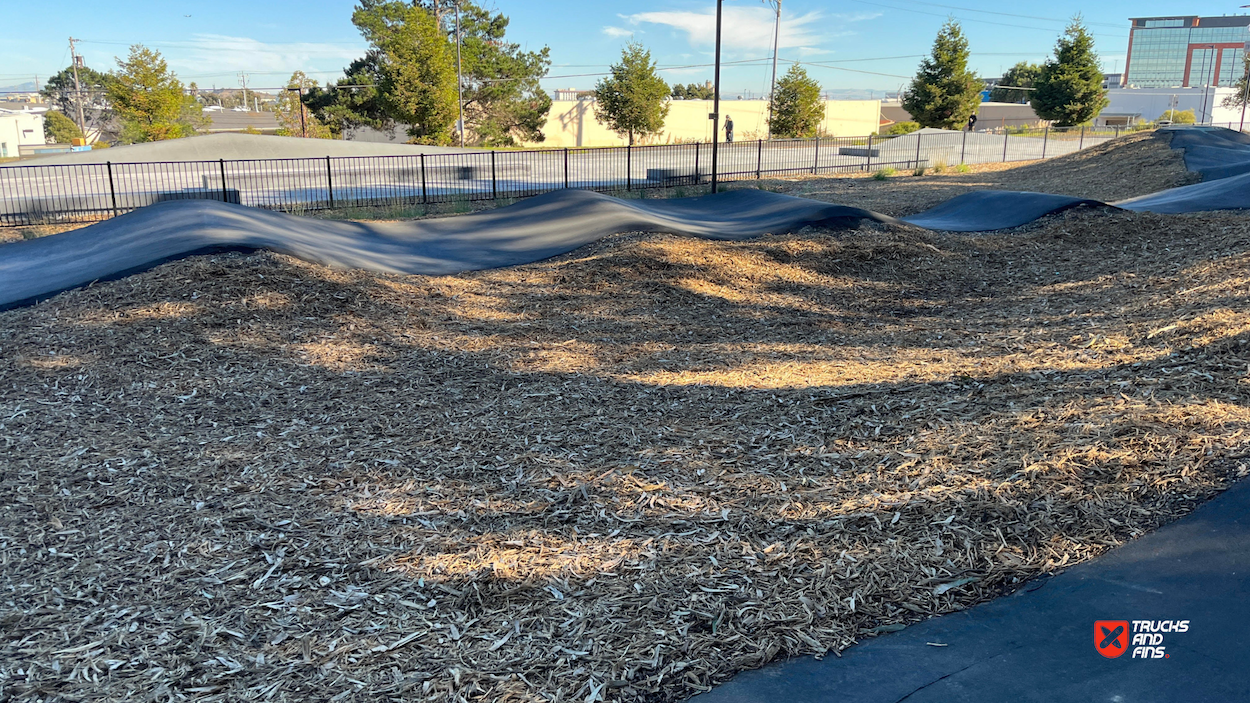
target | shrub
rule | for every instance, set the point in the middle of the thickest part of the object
(962, 168)
(906, 127)
(1179, 116)
(919, 171)
(939, 166)
(884, 173)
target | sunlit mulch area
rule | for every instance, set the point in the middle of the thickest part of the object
(623, 475)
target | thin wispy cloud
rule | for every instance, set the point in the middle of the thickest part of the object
(618, 31)
(207, 54)
(745, 28)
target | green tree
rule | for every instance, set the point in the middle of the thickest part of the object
(59, 129)
(414, 69)
(1238, 96)
(1179, 116)
(797, 109)
(288, 111)
(633, 99)
(60, 92)
(149, 99)
(353, 101)
(504, 103)
(1022, 75)
(944, 93)
(1069, 88)
(693, 91)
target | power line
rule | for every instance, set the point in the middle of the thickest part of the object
(1008, 14)
(965, 19)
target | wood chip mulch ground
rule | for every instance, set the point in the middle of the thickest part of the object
(621, 475)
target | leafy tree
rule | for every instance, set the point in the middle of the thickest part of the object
(59, 90)
(414, 69)
(1179, 116)
(693, 91)
(632, 100)
(1069, 88)
(944, 93)
(59, 129)
(905, 127)
(353, 101)
(1022, 75)
(1238, 96)
(503, 101)
(797, 109)
(149, 100)
(288, 111)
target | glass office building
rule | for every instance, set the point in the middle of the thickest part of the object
(1169, 52)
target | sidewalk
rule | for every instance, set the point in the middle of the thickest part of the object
(1038, 644)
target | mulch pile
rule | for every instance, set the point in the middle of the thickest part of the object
(623, 475)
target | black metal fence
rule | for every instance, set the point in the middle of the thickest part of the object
(38, 194)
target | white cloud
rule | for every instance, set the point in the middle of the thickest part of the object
(750, 28)
(216, 53)
(618, 31)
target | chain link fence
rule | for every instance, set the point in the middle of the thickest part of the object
(36, 194)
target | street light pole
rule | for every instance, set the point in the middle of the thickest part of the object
(716, 98)
(459, 78)
(772, 87)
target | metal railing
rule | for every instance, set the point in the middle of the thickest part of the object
(36, 194)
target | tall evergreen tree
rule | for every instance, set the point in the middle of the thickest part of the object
(150, 101)
(797, 109)
(1022, 75)
(944, 93)
(633, 99)
(1069, 88)
(413, 68)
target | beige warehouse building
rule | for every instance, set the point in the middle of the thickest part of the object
(573, 123)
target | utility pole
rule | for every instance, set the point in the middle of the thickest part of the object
(772, 87)
(716, 97)
(1246, 92)
(243, 80)
(82, 123)
(459, 78)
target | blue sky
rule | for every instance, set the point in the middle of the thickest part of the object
(852, 44)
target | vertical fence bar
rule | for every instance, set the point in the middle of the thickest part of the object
(963, 147)
(816, 160)
(425, 195)
(494, 187)
(917, 150)
(1045, 139)
(868, 163)
(697, 177)
(224, 197)
(112, 189)
(329, 182)
(1081, 144)
(759, 160)
(629, 165)
(566, 167)
(1005, 135)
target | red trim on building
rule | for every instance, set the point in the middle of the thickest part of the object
(1213, 71)
(1128, 57)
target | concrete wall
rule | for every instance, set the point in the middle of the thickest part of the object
(1148, 104)
(989, 115)
(572, 123)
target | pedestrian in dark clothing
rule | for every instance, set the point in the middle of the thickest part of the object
(729, 128)
(972, 122)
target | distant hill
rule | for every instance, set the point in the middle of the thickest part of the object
(27, 87)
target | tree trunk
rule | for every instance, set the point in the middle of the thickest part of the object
(631, 137)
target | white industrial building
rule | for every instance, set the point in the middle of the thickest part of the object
(1132, 105)
(20, 128)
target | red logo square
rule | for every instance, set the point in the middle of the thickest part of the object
(1111, 637)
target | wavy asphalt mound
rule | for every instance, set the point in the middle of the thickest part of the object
(545, 226)
(532, 230)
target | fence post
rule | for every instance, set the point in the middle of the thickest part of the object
(917, 150)
(1045, 138)
(1081, 145)
(963, 148)
(112, 190)
(759, 160)
(566, 168)
(1117, 129)
(425, 194)
(224, 198)
(816, 161)
(697, 178)
(329, 182)
(868, 164)
(629, 164)
(1005, 136)
(494, 188)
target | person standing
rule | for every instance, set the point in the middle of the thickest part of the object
(729, 128)
(972, 121)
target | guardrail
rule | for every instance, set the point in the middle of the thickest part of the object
(35, 194)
